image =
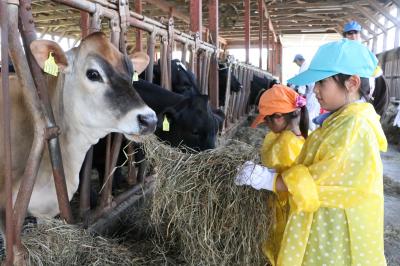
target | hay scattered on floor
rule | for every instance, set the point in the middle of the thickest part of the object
(53, 242)
(197, 205)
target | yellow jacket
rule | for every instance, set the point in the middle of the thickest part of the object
(336, 193)
(279, 151)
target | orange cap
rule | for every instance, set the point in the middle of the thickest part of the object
(278, 99)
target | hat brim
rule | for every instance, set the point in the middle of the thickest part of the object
(310, 76)
(259, 119)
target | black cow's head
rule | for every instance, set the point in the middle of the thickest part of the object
(236, 86)
(258, 86)
(192, 123)
(183, 81)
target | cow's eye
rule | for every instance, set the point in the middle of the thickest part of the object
(93, 75)
(195, 132)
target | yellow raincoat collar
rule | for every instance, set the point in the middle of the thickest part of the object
(363, 111)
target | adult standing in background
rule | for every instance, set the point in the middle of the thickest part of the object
(352, 31)
(307, 91)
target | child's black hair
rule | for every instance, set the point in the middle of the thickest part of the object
(380, 96)
(304, 122)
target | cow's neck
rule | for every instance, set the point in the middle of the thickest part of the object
(76, 138)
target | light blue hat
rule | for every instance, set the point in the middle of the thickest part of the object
(298, 57)
(345, 56)
(352, 25)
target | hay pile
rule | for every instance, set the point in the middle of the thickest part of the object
(197, 206)
(53, 242)
(251, 136)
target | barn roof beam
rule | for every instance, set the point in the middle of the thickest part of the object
(167, 7)
(396, 2)
(366, 13)
(270, 25)
(170, 8)
(384, 12)
(328, 5)
(301, 18)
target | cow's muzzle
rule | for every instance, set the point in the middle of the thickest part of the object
(147, 123)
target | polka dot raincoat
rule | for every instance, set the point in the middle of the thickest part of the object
(336, 193)
(279, 152)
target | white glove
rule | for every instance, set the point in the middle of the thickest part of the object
(257, 176)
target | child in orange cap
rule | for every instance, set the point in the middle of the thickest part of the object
(285, 113)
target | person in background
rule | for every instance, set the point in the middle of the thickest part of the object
(335, 187)
(352, 31)
(307, 91)
(285, 114)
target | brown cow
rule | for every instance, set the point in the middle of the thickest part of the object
(91, 97)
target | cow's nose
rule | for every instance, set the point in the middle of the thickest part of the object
(147, 123)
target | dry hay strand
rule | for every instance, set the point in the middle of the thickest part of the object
(197, 204)
(251, 136)
(52, 242)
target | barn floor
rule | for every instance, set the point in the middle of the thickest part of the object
(391, 172)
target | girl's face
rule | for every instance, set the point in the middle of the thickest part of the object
(330, 95)
(276, 122)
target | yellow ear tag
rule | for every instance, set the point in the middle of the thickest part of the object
(135, 76)
(50, 66)
(165, 124)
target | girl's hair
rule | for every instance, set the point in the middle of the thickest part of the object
(380, 96)
(304, 122)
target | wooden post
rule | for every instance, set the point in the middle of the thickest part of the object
(139, 34)
(196, 17)
(247, 29)
(260, 31)
(268, 51)
(213, 26)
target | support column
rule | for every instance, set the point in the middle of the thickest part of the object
(260, 32)
(213, 27)
(196, 28)
(196, 17)
(139, 33)
(397, 34)
(385, 34)
(268, 51)
(247, 29)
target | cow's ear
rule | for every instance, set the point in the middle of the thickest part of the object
(140, 60)
(41, 50)
(168, 114)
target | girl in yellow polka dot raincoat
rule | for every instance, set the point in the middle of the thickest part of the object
(284, 112)
(335, 186)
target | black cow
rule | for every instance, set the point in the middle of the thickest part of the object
(192, 123)
(258, 86)
(236, 86)
(182, 80)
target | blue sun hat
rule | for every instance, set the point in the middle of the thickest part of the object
(345, 56)
(352, 25)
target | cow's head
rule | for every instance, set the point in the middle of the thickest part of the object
(236, 86)
(97, 91)
(192, 123)
(183, 80)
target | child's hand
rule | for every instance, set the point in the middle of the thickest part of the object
(257, 176)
